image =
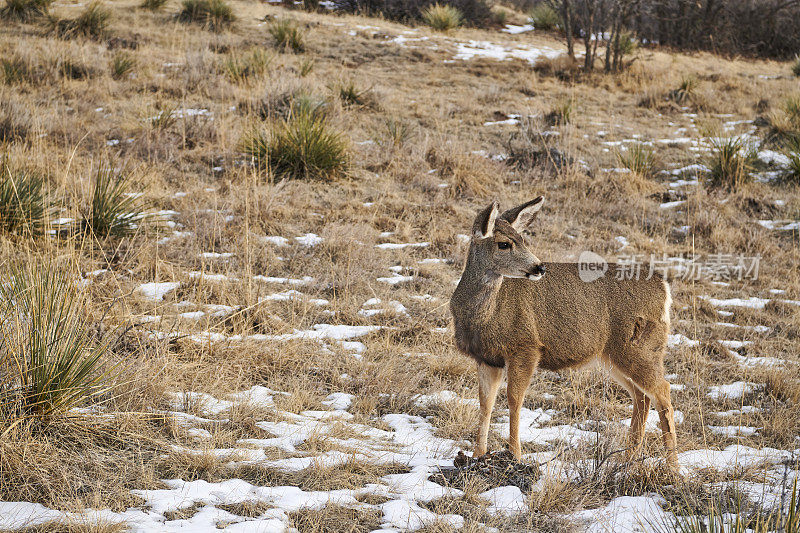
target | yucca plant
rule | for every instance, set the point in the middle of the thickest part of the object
(242, 67)
(397, 131)
(114, 211)
(351, 95)
(305, 103)
(545, 18)
(791, 106)
(737, 516)
(49, 360)
(14, 70)
(24, 206)
(288, 35)
(686, 91)
(122, 64)
(442, 17)
(639, 159)
(24, 10)
(305, 67)
(301, 147)
(732, 162)
(93, 22)
(215, 15)
(163, 119)
(792, 151)
(153, 5)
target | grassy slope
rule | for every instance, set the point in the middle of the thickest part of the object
(445, 104)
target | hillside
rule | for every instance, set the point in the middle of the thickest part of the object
(276, 344)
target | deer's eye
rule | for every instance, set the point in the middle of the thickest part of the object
(504, 245)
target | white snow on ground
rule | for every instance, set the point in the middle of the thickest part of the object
(505, 500)
(513, 29)
(309, 239)
(752, 303)
(771, 157)
(400, 246)
(510, 121)
(735, 457)
(779, 225)
(676, 340)
(293, 295)
(305, 280)
(156, 291)
(403, 439)
(653, 422)
(395, 278)
(276, 240)
(672, 205)
(625, 514)
(734, 391)
(484, 49)
(734, 431)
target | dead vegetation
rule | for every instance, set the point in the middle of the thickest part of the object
(407, 159)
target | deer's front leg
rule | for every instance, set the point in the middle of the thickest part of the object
(489, 379)
(519, 377)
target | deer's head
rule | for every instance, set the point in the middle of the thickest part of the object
(497, 246)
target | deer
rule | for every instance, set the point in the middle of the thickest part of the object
(513, 314)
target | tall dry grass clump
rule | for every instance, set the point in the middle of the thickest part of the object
(686, 91)
(93, 23)
(152, 5)
(24, 206)
(544, 17)
(288, 35)
(114, 210)
(50, 361)
(24, 10)
(732, 162)
(241, 67)
(792, 152)
(639, 158)
(442, 17)
(302, 146)
(215, 15)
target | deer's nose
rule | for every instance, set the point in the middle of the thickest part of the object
(538, 270)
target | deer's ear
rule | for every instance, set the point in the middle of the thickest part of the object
(484, 222)
(522, 216)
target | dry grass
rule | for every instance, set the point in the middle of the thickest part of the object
(178, 101)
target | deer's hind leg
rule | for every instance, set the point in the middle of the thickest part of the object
(644, 365)
(641, 407)
(489, 379)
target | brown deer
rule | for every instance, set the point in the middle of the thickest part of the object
(513, 312)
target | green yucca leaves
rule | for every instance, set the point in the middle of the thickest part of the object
(49, 361)
(442, 17)
(300, 147)
(732, 162)
(24, 207)
(114, 211)
(215, 15)
(639, 159)
(93, 22)
(288, 35)
(24, 10)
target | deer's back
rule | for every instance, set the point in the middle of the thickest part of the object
(572, 321)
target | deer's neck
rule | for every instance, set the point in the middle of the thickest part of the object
(478, 293)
